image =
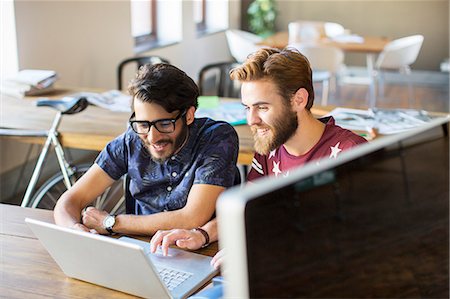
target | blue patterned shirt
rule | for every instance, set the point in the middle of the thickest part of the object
(208, 157)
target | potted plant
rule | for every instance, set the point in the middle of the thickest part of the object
(261, 17)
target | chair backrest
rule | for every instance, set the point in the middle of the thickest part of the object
(242, 43)
(305, 31)
(333, 29)
(311, 31)
(400, 53)
(138, 61)
(322, 57)
(214, 79)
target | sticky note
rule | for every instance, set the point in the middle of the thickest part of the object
(208, 101)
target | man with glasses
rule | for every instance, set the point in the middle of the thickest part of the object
(177, 165)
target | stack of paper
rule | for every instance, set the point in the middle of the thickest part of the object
(384, 121)
(29, 83)
(113, 100)
(352, 38)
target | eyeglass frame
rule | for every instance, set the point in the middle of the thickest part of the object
(153, 123)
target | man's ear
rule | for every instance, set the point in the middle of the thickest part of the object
(190, 115)
(300, 99)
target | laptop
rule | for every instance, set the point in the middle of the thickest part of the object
(123, 264)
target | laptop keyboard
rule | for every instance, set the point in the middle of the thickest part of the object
(173, 278)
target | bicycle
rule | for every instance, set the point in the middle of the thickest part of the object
(112, 200)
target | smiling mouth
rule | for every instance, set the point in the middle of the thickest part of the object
(262, 131)
(160, 146)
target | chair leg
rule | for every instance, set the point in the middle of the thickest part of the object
(380, 82)
(407, 72)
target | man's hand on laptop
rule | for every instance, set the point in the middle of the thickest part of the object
(183, 238)
(218, 258)
(82, 227)
(92, 219)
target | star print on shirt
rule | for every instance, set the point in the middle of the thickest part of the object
(272, 153)
(335, 150)
(276, 168)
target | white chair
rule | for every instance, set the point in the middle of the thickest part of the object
(312, 31)
(242, 43)
(398, 55)
(305, 31)
(326, 61)
(333, 29)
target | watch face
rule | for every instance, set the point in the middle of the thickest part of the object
(109, 221)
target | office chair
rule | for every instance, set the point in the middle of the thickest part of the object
(312, 31)
(242, 43)
(214, 79)
(398, 55)
(139, 61)
(326, 62)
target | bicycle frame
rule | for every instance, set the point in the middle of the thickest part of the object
(52, 138)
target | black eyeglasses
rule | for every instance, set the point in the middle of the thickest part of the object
(166, 125)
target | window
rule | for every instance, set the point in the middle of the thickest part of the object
(200, 14)
(8, 44)
(210, 15)
(149, 30)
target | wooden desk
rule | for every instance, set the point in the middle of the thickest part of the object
(370, 46)
(91, 129)
(28, 271)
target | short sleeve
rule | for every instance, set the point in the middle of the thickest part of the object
(113, 158)
(218, 156)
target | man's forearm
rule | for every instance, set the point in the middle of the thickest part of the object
(149, 224)
(66, 213)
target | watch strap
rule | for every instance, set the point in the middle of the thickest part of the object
(205, 234)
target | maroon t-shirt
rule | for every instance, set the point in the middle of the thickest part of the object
(334, 140)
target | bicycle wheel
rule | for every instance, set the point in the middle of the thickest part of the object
(112, 200)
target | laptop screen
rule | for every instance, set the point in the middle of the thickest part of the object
(375, 226)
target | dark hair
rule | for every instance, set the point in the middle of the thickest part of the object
(165, 85)
(287, 68)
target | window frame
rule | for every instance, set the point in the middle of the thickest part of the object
(148, 41)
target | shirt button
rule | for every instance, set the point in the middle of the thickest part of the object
(174, 174)
(172, 158)
(169, 188)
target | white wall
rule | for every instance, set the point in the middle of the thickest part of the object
(85, 40)
(390, 18)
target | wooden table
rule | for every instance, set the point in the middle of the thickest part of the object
(371, 46)
(91, 129)
(28, 271)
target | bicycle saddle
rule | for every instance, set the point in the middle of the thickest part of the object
(67, 105)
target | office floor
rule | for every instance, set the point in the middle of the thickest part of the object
(430, 91)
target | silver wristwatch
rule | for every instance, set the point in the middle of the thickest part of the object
(109, 222)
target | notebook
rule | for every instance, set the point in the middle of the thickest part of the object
(123, 264)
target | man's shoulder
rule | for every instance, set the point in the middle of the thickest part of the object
(343, 135)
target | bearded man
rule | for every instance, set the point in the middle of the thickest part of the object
(177, 164)
(277, 91)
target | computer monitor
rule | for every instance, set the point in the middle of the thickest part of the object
(372, 223)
